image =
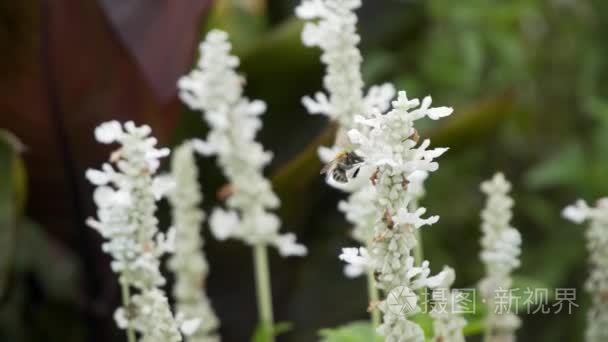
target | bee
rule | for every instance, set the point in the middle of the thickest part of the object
(339, 168)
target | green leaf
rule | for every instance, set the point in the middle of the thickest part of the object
(264, 334)
(475, 326)
(244, 23)
(12, 199)
(425, 321)
(361, 331)
(565, 168)
(36, 249)
(469, 125)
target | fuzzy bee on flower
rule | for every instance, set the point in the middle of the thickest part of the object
(343, 167)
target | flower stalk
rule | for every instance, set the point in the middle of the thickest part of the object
(189, 263)
(263, 289)
(126, 299)
(388, 146)
(215, 88)
(126, 193)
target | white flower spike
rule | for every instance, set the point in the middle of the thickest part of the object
(597, 282)
(331, 26)
(188, 262)
(389, 147)
(501, 247)
(215, 88)
(125, 197)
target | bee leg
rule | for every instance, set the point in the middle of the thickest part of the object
(339, 175)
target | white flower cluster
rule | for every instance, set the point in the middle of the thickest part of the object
(331, 26)
(390, 147)
(447, 323)
(363, 216)
(215, 88)
(125, 197)
(500, 254)
(188, 262)
(153, 317)
(335, 32)
(597, 283)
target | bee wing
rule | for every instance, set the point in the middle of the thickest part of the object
(327, 166)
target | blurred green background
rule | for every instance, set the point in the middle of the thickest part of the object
(526, 79)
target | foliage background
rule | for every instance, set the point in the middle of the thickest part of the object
(526, 78)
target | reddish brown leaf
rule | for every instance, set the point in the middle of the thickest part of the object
(74, 74)
(159, 34)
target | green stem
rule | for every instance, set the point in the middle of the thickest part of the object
(487, 334)
(125, 303)
(264, 292)
(373, 299)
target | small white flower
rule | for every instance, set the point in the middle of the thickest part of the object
(109, 132)
(97, 177)
(224, 223)
(416, 183)
(288, 246)
(578, 212)
(189, 327)
(357, 260)
(162, 185)
(406, 217)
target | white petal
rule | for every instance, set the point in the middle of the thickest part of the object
(309, 9)
(439, 112)
(162, 185)
(353, 271)
(288, 246)
(108, 132)
(576, 213)
(223, 223)
(97, 177)
(203, 147)
(190, 326)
